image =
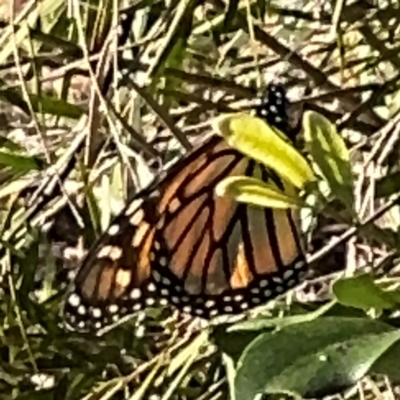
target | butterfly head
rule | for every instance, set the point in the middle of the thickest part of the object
(274, 108)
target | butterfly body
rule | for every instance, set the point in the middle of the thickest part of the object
(177, 243)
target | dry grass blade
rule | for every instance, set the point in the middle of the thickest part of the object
(98, 96)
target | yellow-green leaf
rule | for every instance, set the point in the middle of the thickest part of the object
(256, 139)
(256, 192)
(331, 155)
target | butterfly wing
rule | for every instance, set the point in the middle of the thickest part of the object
(214, 255)
(177, 242)
(115, 278)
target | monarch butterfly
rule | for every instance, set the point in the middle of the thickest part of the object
(178, 243)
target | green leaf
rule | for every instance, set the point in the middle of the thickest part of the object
(261, 322)
(312, 359)
(362, 292)
(331, 155)
(19, 162)
(51, 105)
(42, 103)
(256, 139)
(14, 97)
(256, 192)
(9, 144)
(388, 185)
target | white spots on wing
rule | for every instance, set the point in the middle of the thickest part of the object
(135, 294)
(150, 301)
(187, 309)
(288, 274)
(135, 204)
(112, 252)
(163, 261)
(151, 287)
(156, 276)
(263, 283)
(213, 312)
(160, 223)
(96, 312)
(267, 293)
(277, 280)
(163, 302)
(137, 217)
(113, 230)
(299, 264)
(238, 297)
(81, 310)
(74, 300)
(164, 292)
(165, 281)
(210, 303)
(140, 234)
(123, 277)
(174, 205)
(113, 308)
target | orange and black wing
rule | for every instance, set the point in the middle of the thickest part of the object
(178, 243)
(115, 278)
(213, 255)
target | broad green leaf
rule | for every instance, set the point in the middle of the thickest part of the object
(331, 155)
(256, 192)
(312, 359)
(256, 139)
(362, 292)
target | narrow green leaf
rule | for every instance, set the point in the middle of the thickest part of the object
(19, 162)
(362, 292)
(256, 139)
(312, 359)
(45, 104)
(388, 185)
(256, 192)
(261, 322)
(9, 144)
(54, 106)
(14, 97)
(329, 152)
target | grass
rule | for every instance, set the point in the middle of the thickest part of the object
(88, 117)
